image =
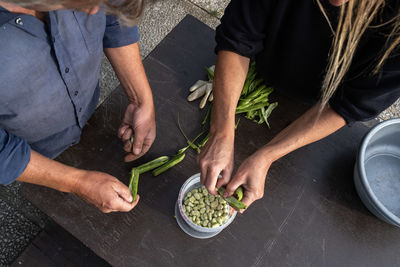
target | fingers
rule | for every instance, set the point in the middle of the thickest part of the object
(226, 176)
(127, 134)
(130, 157)
(123, 191)
(121, 205)
(138, 141)
(127, 146)
(203, 172)
(211, 179)
(141, 142)
(148, 141)
(122, 200)
(248, 199)
(122, 130)
(233, 185)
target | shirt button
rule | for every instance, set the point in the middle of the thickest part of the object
(19, 21)
(53, 39)
(66, 70)
(76, 93)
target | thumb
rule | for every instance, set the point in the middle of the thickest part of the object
(248, 199)
(139, 140)
(232, 186)
(123, 191)
(226, 176)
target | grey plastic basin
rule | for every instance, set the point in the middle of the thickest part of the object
(377, 171)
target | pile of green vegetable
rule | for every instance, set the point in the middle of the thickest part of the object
(211, 211)
(204, 209)
(254, 101)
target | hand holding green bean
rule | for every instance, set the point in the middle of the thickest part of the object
(251, 176)
(105, 192)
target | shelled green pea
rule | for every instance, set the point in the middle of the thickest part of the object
(204, 209)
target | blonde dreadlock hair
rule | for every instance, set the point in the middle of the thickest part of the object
(354, 19)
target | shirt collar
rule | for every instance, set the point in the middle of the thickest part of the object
(6, 16)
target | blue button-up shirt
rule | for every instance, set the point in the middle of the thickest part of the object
(49, 81)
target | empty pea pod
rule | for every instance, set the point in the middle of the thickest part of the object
(169, 164)
(152, 164)
(133, 183)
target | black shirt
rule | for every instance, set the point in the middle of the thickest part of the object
(291, 40)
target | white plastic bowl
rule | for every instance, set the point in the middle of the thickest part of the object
(185, 223)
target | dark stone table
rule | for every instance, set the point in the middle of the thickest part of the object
(310, 214)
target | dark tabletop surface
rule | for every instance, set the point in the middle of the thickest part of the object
(310, 215)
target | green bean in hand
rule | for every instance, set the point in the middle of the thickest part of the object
(133, 183)
(233, 202)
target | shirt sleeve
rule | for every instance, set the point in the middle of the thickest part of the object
(15, 155)
(117, 35)
(242, 28)
(365, 97)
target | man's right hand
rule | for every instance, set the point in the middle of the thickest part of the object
(104, 191)
(217, 158)
(100, 189)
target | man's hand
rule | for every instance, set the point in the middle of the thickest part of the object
(105, 192)
(139, 115)
(139, 122)
(97, 188)
(251, 176)
(216, 158)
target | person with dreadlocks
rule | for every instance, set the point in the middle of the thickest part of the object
(50, 54)
(340, 55)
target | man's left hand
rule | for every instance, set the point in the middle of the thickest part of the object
(139, 122)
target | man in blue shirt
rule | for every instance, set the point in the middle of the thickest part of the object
(50, 64)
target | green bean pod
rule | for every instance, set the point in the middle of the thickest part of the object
(204, 141)
(254, 85)
(251, 108)
(239, 193)
(210, 73)
(253, 95)
(268, 112)
(247, 83)
(183, 150)
(169, 164)
(207, 117)
(152, 164)
(133, 183)
(232, 201)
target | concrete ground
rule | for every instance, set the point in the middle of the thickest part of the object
(20, 222)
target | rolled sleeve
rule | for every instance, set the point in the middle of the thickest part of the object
(242, 28)
(15, 155)
(117, 35)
